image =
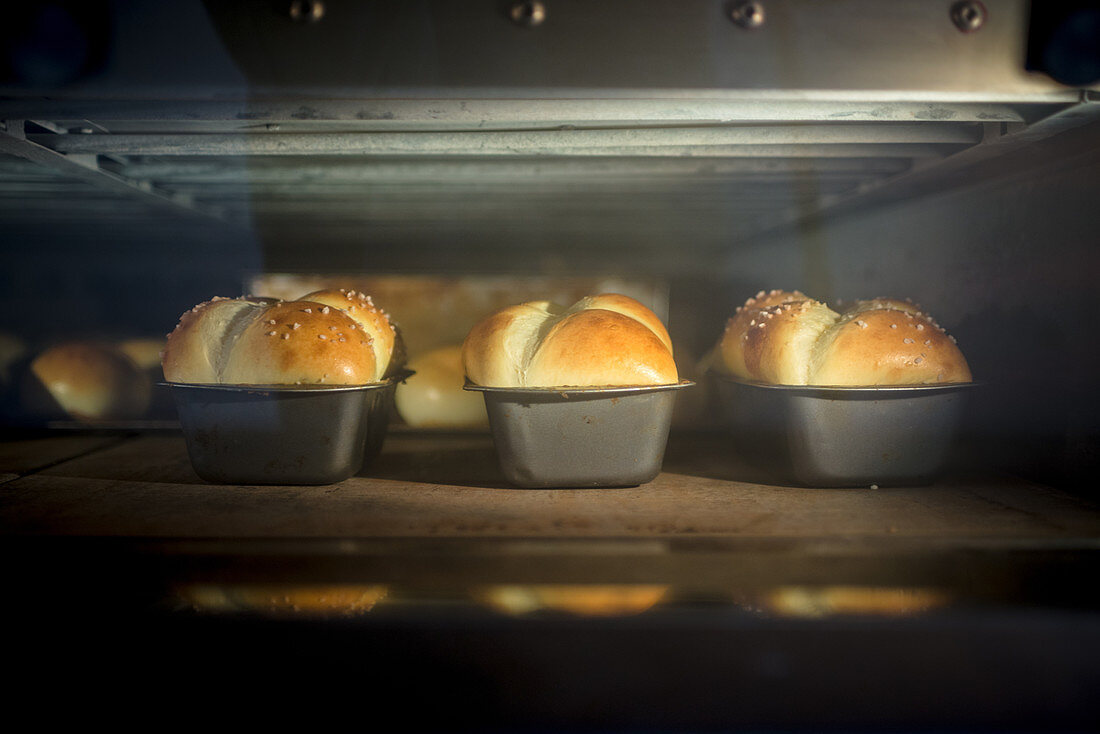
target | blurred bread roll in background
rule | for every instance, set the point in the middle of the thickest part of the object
(12, 349)
(87, 381)
(145, 352)
(334, 337)
(787, 338)
(602, 340)
(432, 397)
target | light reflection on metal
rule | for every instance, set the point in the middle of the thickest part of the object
(748, 15)
(306, 11)
(283, 600)
(582, 600)
(529, 13)
(829, 601)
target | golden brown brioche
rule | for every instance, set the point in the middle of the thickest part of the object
(794, 340)
(371, 319)
(602, 340)
(771, 338)
(432, 397)
(887, 346)
(248, 341)
(731, 346)
(88, 381)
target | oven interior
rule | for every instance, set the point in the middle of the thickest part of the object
(153, 155)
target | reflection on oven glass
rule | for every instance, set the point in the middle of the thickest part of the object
(280, 600)
(581, 600)
(827, 601)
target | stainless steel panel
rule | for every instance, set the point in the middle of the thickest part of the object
(845, 437)
(282, 435)
(580, 437)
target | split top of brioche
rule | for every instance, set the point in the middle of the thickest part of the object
(336, 337)
(787, 338)
(602, 340)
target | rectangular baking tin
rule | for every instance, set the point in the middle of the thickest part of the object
(277, 434)
(580, 437)
(845, 436)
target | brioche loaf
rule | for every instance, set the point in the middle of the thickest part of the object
(87, 381)
(786, 338)
(433, 396)
(335, 337)
(602, 340)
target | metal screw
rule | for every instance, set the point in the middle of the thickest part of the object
(748, 15)
(529, 13)
(968, 15)
(306, 11)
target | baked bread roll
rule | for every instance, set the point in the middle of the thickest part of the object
(786, 338)
(432, 397)
(771, 338)
(87, 381)
(334, 337)
(601, 340)
(146, 353)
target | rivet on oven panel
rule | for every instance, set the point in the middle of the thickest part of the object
(529, 13)
(968, 15)
(306, 11)
(747, 15)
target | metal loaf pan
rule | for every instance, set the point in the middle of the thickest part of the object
(844, 436)
(580, 437)
(276, 434)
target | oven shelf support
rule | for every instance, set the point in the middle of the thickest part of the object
(88, 168)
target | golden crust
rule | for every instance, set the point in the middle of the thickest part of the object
(322, 349)
(627, 307)
(602, 340)
(262, 342)
(768, 339)
(599, 347)
(498, 348)
(884, 346)
(388, 345)
(195, 349)
(783, 337)
(87, 381)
